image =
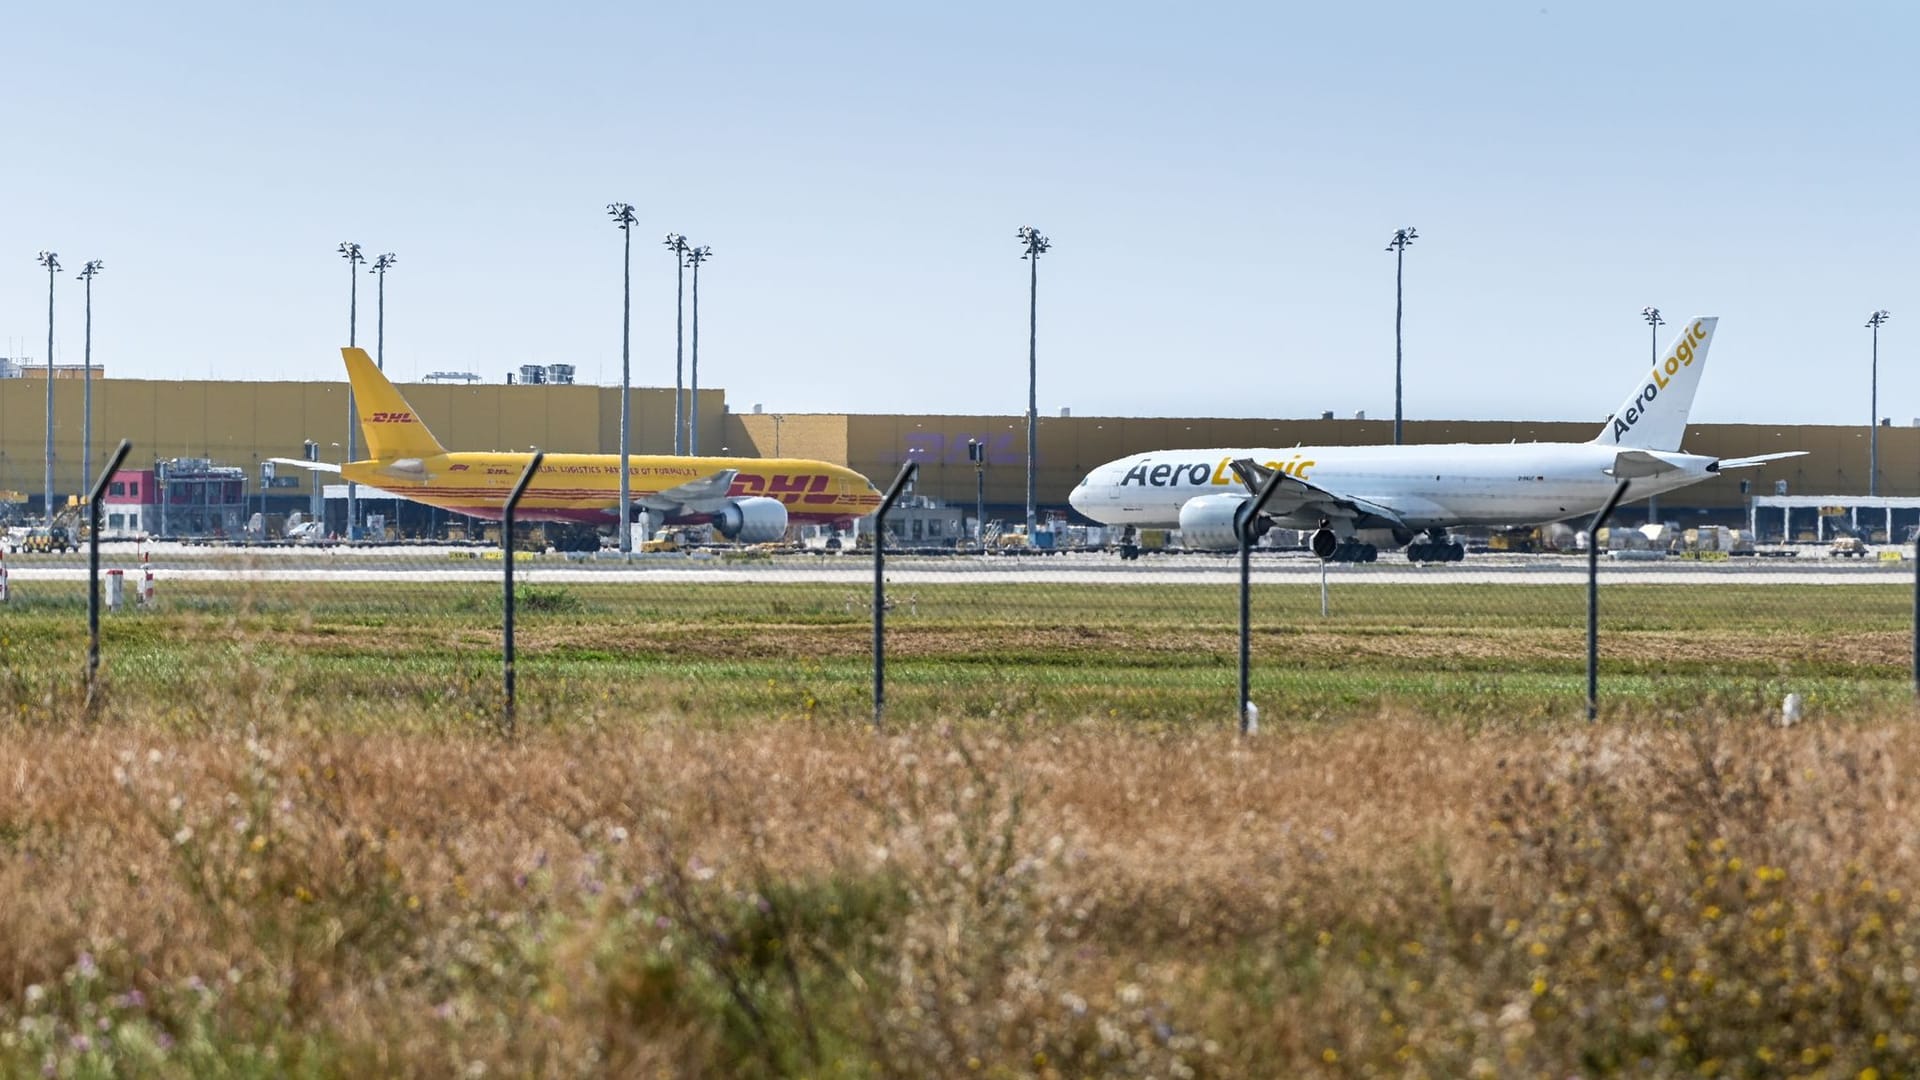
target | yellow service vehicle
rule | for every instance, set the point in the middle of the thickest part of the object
(48, 539)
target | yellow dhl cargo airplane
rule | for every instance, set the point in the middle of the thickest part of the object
(750, 500)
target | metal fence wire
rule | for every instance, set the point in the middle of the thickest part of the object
(840, 627)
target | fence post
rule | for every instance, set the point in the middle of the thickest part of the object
(93, 569)
(506, 543)
(1593, 599)
(894, 489)
(1916, 612)
(1246, 520)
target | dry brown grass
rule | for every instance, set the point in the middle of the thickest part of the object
(1679, 895)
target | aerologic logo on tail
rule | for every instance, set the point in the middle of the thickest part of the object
(1663, 372)
(390, 418)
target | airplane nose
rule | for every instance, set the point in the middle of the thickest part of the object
(1077, 497)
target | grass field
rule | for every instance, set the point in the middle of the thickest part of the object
(294, 841)
(1155, 654)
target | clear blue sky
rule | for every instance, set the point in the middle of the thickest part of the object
(1219, 185)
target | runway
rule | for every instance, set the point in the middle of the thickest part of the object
(467, 565)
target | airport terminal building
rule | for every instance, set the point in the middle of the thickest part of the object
(243, 424)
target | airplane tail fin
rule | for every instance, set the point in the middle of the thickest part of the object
(1654, 416)
(389, 423)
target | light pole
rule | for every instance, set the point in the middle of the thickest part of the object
(1398, 245)
(1033, 245)
(1873, 430)
(677, 244)
(624, 219)
(1654, 322)
(381, 264)
(52, 262)
(350, 251)
(695, 256)
(977, 453)
(93, 266)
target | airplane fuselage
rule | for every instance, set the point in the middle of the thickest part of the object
(585, 488)
(1429, 487)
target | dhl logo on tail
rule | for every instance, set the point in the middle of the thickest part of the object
(392, 429)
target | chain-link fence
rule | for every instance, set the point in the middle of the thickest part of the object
(780, 630)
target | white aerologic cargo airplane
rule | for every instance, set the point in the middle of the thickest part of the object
(1372, 496)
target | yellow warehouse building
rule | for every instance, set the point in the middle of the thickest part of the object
(244, 423)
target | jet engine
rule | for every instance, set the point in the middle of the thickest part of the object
(1206, 523)
(752, 520)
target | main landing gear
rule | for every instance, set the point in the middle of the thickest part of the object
(1354, 552)
(1436, 550)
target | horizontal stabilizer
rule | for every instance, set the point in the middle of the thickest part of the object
(1757, 459)
(302, 463)
(404, 469)
(1639, 464)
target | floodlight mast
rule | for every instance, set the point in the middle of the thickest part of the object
(1398, 245)
(51, 261)
(1033, 244)
(624, 220)
(381, 264)
(677, 245)
(92, 267)
(350, 251)
(1875, 321)
(695, 256)
(1654, 323)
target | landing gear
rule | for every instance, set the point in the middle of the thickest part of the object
(1354, 552)
(1439, 550)
(573, 538)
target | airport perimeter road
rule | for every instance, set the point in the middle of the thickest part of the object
(372, 565)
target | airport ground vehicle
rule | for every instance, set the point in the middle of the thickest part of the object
(667, 540)
(49, 538)
(1848, 547)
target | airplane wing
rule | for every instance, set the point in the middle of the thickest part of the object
(302, 463)
(1757, 459)
(694, 496)
(1297, 496)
